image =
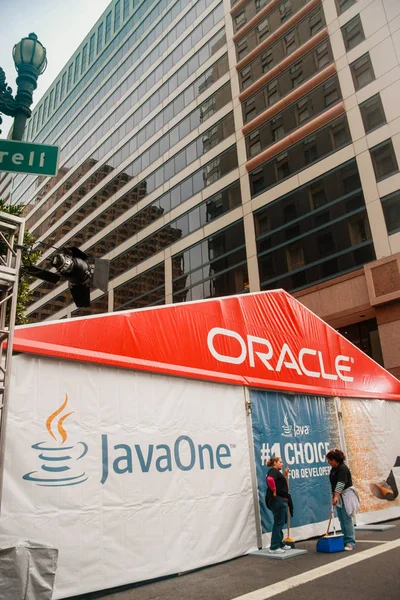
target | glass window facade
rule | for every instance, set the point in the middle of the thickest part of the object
(284, 46)
(297, 114)
(214, 267)
(198, 116)
(268, 25)
(97, 120)
(298, 73)
(198, 181)
(147, 289)
(315, 233)
(326, 140)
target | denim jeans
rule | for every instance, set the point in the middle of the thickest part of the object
(346, 525)
(279, 508)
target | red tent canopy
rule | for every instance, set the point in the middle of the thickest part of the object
(264, 340)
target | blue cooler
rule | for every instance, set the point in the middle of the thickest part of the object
(331, 543)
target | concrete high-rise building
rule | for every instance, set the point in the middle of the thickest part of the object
(210, 148)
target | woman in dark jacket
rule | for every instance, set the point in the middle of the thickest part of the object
(340, 478)
(277, 499)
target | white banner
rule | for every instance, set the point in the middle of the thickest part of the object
(130, 475)
(372, 436)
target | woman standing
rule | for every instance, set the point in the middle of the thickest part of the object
(340, 478)
(277, 500)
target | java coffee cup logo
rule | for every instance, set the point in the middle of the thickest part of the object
(59, 463)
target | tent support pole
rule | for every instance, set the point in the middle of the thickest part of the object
(257, 515)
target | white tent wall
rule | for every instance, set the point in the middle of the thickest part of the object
(137, 476)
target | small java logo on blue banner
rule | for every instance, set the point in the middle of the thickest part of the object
(301, 430)
(59, 463)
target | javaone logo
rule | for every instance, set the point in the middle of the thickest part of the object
(308, 361)
(59, 467)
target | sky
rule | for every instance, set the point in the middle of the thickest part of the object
(61, 25)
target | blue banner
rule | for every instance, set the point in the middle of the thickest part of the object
(301, 430)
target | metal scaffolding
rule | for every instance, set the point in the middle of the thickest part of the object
(11, 236)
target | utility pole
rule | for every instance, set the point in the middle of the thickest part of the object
(11, 239)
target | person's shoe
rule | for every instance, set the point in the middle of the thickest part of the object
(382, 490)
(349, 548)
(277, 551)
(286, 547)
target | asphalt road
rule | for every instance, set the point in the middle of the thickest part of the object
(372, 577)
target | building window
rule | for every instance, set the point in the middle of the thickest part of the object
(57, 94)
(272, 92)
(384, 160)
(127, 5)
(266, 60)
(100, 38)
(260, 4)
(45, 110)
(250, 109)
(91, 48)
(277, 129)
(362, 71)
(282, 166)
(358, 229)
(51, 101)
(365, 336)
(310, 149)
(84, 58)
(331, 92)
(76, 72)
(322, 55)
(317, 195)
(372, 113)
(295, 256)
(315, 23)
(40, 116)
(241, 49)
(62, 91)
(302, 111)
(246, 77)
(296, 73)
(343, 5)
(254, 143)
(69, 78)
(240, 19)
(117, 15)
(353, 33)
(290, 42)
(391, 210)
(108, 27)
(263, 29)
(285, 10)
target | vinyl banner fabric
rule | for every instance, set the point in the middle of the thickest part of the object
(301, 430)
(265, 340)
(372, 434)
(130, 475)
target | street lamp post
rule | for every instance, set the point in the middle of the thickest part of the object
(30, 61)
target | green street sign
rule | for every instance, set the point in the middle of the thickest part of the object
(22, 157)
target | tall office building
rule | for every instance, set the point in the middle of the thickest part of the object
(210, 148)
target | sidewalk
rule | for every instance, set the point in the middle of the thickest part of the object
(234, 578)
